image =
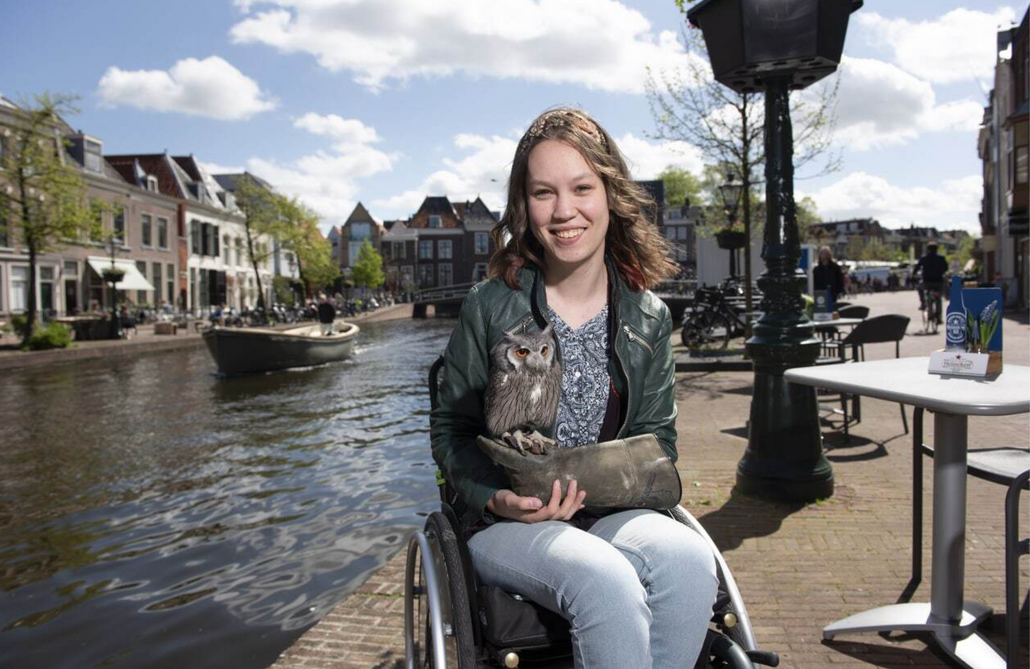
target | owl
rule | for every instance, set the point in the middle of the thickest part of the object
(523, 390)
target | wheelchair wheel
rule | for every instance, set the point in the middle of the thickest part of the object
(437, 624)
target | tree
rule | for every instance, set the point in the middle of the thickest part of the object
(681, 186)
(45, 196)
(261, 220)
(691, 106)
(299, 234)
(368, 268)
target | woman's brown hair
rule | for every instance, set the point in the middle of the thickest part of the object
(633, 242)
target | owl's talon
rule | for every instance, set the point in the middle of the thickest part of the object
(514, 440)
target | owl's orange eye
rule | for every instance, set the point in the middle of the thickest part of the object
(543, 351)
(521, 352)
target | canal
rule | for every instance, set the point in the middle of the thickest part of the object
(155, 515)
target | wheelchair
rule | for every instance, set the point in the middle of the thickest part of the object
(451, 621)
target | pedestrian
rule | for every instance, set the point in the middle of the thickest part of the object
(577, 252)
(827, 275)
(326, 316)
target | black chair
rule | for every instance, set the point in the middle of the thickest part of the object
(1007, 466)
(876, 330)
(854, 311)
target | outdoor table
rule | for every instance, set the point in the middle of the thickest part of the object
(826, 325)
(953, 399)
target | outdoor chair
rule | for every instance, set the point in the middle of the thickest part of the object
(1007, 466)
(876, 330)
(853, 311)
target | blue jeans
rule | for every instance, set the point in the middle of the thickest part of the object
(637, 588)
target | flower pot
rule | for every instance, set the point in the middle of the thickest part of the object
(730, 239)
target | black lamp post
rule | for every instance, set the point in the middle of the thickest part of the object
(730, 192)
(776, 46)
(113, 275)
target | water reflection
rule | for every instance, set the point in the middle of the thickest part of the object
(152, 514)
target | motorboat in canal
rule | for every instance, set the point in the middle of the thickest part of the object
(248, 350)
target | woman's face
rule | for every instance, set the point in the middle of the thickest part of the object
(824, 257)
(568, 206)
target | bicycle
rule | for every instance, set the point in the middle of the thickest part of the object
(930, 307)
(714, 320)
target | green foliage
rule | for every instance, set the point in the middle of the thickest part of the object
(53, 335)
(965, 251)
(861, 248)
(314, 253)
(283, 290)
(368, 267)
(680, 184)
(44, 194)
(20, 325)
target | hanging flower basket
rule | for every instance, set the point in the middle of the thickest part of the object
(113, 275)
(730, 239)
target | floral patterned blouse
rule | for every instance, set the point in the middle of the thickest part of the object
(585, 381)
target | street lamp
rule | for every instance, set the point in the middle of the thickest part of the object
(729, 238)
(777, 46)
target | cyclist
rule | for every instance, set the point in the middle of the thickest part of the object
(931, 269)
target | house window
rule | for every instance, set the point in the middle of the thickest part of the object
(151, 183)
(147, 238)
(239, 251)
(141, 295)
(479, 272)
(92, 156)
(162, 233)
(444, 250)
(119, 225)
(360, 230)
(157, 283)
(425, 249)
(446, 274)
(228, 249)
(400, 250)
(435, 222)
(170, 279)
(195, 237)
(46, 288)
(425, 276)
(19, 288)
(482, 243)
(1021, 167)
(407, 276)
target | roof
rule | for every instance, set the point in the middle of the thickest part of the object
(158, 165)
(229, 181)
(360, 214)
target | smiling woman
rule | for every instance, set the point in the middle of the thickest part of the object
(577, 255)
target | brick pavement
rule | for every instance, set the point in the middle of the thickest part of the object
(799, 567)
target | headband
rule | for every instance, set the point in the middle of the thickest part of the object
(556, 118)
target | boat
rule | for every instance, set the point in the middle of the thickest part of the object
(248, 350)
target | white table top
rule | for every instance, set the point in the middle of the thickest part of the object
(906, 380)
(821, 325)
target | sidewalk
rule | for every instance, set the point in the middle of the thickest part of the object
(144, 342)
(798, 567)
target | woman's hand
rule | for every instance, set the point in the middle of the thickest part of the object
(507, 504)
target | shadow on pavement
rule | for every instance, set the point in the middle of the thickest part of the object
(889, 657)
(743, 517)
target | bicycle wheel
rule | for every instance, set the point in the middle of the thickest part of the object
(707, 330)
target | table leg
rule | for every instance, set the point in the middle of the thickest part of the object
(952, 621)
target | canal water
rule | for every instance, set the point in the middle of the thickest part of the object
(155, 515)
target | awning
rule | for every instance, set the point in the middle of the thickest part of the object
(132, 280)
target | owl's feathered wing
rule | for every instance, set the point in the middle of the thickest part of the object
(519, 400)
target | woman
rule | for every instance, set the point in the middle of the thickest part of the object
(827, 275)
(577, 251)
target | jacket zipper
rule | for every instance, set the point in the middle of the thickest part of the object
(521, 325)
(634, 337)
(629, 391)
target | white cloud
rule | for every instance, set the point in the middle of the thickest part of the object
(600, 44)
(482, 172)
(646, 159)
(211, 87)
(955, 203)
(326, 181)
(959, 45)
(881, 105)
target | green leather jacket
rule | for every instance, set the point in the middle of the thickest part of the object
(641, 369)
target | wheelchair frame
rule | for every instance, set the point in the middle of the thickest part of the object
(449, 635)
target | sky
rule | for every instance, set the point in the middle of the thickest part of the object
(387, 101)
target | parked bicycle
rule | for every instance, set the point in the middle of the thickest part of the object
(716, 319)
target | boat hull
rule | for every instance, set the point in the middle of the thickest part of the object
(250, 350)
